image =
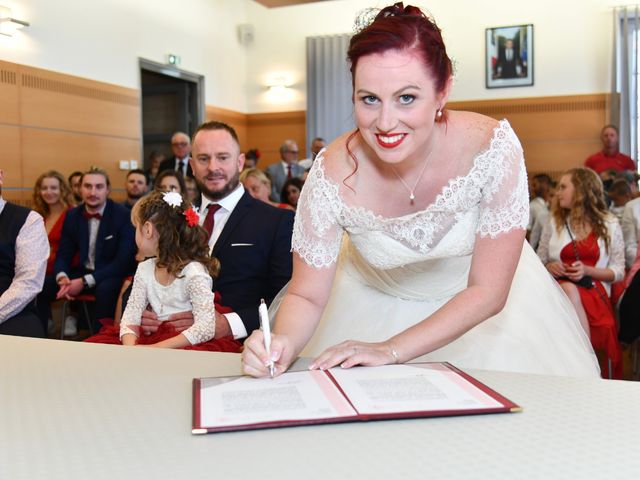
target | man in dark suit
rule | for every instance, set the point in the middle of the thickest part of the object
(99, 233)
(251, 239)
(285, 169)
(509, 64)
(181, 148)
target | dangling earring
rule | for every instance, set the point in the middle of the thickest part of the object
(438, 115)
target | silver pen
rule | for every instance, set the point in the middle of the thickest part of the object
(266, 332)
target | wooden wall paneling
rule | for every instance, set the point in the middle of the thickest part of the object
(56, 101)
(67, 151)
(267, 131)
(557, 133)
(10, 164)
(9, 93)
(235, 119)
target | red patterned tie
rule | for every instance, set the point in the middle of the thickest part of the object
(289, 176)
(212, 208)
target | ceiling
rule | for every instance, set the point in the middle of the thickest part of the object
(285, 3)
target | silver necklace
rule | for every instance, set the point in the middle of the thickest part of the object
(411, 191)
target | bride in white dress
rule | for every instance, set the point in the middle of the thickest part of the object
(409, 235)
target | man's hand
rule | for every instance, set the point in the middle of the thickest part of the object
(149, 322)
(181, 321)
(69, 288)
(222, 326)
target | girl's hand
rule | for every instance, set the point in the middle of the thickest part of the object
(576, 271)
(255, 361)
(350, 353)
(557, 269)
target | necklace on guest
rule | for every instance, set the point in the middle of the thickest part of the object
(412, 195)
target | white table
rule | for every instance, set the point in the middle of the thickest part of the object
(84, 411)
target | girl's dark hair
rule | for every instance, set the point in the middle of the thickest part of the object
(170, 173)
(284, 196)
(178, 243)
(401, 28)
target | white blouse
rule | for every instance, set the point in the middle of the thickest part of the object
(191, 291)
(553, 241)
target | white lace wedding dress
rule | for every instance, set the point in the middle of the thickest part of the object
(394, 272)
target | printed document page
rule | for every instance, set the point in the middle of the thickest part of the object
(409, 388)
(289, 397)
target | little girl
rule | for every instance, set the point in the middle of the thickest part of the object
(177, 277)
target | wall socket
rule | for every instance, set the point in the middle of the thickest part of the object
(133, 164)
(124, 164)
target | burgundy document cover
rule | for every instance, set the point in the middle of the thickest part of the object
(497, 403)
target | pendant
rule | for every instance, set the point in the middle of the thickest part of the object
(412, 197)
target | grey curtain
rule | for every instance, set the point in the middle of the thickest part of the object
(329, 106)
(625, 77)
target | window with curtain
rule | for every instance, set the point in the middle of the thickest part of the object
(329, 106)
(625, 77)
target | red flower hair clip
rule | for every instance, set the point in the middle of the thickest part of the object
(192, 217)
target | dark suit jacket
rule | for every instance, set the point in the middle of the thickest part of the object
(115, 245)
(170, 164)
(254, 250)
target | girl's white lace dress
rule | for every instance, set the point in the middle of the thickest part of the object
(394, 272)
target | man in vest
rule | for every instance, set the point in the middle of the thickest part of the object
(24, 249)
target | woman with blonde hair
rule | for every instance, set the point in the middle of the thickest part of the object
(582, 247)
(52, 197)
(258, 185)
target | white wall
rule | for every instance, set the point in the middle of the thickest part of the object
(102, 40)
(572, 44)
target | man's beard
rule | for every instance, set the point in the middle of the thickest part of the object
(223, 192)
(135, 196)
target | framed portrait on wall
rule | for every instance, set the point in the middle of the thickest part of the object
(509, 56)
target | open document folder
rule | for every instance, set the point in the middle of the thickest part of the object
(340, 395)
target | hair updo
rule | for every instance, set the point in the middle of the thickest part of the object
(397, 27)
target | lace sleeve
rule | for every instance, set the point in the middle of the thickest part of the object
(138, 301)
(199, 290)
(629, 233)
(616, 251)
(505, 200)
(317, 234)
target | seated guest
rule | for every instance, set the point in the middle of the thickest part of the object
(176, 277)
(251, 158)
(317, 144)
(542, 187)
(181, 149)
(252, 240)
(52, 198)
(582, 247)
(258, 185)
(100, 232)
(155, 159)
(291, 191)
(630, 227)
(619, 193)
(74, 184)
(136, 187)
(285, 169)
(23, 261)
(610, 157)
(170, 181)
(191, 189)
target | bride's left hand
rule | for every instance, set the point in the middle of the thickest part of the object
(350, 353)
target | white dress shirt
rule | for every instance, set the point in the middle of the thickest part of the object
(220, 218)
(32, 251)
(185, 164)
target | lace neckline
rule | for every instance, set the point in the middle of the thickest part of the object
(503, 127)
